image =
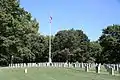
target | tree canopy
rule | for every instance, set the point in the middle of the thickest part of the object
(110, 41)
(17, 32)
(73, 44)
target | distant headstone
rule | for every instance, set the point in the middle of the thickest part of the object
(116, 67)
(111, 71)
(21, 65)
(98, 68)
(15, 65)
(82, 65)
(24, 65)
(54, 64)
(77, 64)
(108, 67)
(28, 64)
(9, 65)
(18, 65)
(73, 64)
(86, 68)
(89, 65)
(35, 64)
(39, 64)
(65, 64)
(68, 64)
(60, 64)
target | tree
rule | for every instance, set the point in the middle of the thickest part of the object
(71, 40)
(110, 41)
(16, 26)
(61, 56)
(38, 47)
(95, 50)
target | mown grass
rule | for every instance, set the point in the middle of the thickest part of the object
(53, 74)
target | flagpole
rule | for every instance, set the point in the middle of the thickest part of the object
(50, 60)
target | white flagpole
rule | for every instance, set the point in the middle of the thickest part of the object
(50, 60)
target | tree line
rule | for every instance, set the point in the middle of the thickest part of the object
(20, 41)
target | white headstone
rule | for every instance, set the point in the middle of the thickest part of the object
(21, 64)
(65, 64)
(111, 71)
(9, 65)
(28, 65)
(57, 65)
(24, 64)
(98, 68)
(18, 64)
(25, 70)
(82, 65)
(116, 67)
(15, 65)
(86, 68)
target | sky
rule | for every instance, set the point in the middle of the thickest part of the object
(91, 16)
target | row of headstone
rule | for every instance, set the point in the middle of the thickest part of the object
(57, 65)
(114, 66)
(76, 65)
(97, 67)
(70, 65)
(111, 68)
(28, 65)
(83, 65)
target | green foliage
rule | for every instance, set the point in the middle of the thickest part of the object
(75, 41)
(69, 39)
(95, 50)
(17, 29)
(110, 41)
(61, 56)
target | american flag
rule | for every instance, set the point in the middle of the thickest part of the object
(50, 19)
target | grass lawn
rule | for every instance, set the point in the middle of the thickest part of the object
(52, 74)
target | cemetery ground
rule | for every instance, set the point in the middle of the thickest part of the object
(39, 73)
